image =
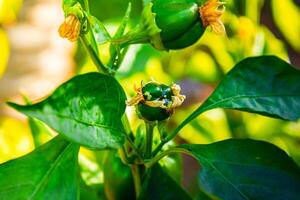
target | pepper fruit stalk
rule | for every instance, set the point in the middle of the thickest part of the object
(175, 24)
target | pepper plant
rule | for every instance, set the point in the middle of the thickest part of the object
(89, 111)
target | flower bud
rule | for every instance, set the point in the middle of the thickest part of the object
(156, 102)
(74, 23)
(70, 28)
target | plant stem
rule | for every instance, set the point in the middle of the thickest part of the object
(95, 58)
(122, 151)
(149, 139)
(86, 5)
(136, 179)
(165, 153)
(159, 147)
(123, 155)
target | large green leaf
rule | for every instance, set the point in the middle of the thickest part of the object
(265, 85)
(247, 169)
(87, 110)
(159, 185)
(49, 172)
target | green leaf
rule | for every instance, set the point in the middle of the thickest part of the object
(265, 85)
(159, 185)
(121, 29)
(87, 110)
(101, 34)
(49, 172)
(38, 131)
(247, 169)
(114, 49)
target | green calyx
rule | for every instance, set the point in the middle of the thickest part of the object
(74, 9)
(149, 24)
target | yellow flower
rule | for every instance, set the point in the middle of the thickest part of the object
(210, 14)
(70, 29)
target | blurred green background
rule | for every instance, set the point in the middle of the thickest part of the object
(34, 60)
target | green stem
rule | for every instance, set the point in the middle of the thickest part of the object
(122, 151)
(129, 134)
(165, 153)
(159, 147)
(86, 5)
(96, 60)
(136, 36)
(136, 179)
(123, 155)
(149, 139)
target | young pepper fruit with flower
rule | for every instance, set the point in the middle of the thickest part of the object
(145, 163)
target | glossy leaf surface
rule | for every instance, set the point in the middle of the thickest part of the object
(159, 185)
(247, 169)
(265, 85)
(101, 34)
(87, 110)
(49, 172)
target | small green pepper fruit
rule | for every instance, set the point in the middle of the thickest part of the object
(176, 24)
(156, 102)
(118, 181)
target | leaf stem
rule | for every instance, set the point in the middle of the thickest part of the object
(95, 58)
(196, 113)
(165, 153)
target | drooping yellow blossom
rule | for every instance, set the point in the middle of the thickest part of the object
(70, 29)
(210, 14)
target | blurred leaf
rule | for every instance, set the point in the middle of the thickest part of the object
(253, 8)
(4, 52)
(136, 60)
(289, 25)
(87, 110)
(265, 85)
(118, 180)
(36, 175)
(15, 139)
(9, 11)
(203, 196)
(145, 2)
(247, 169)
(94, 192)
(159, 185)
(112, 9)
(172, 165)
